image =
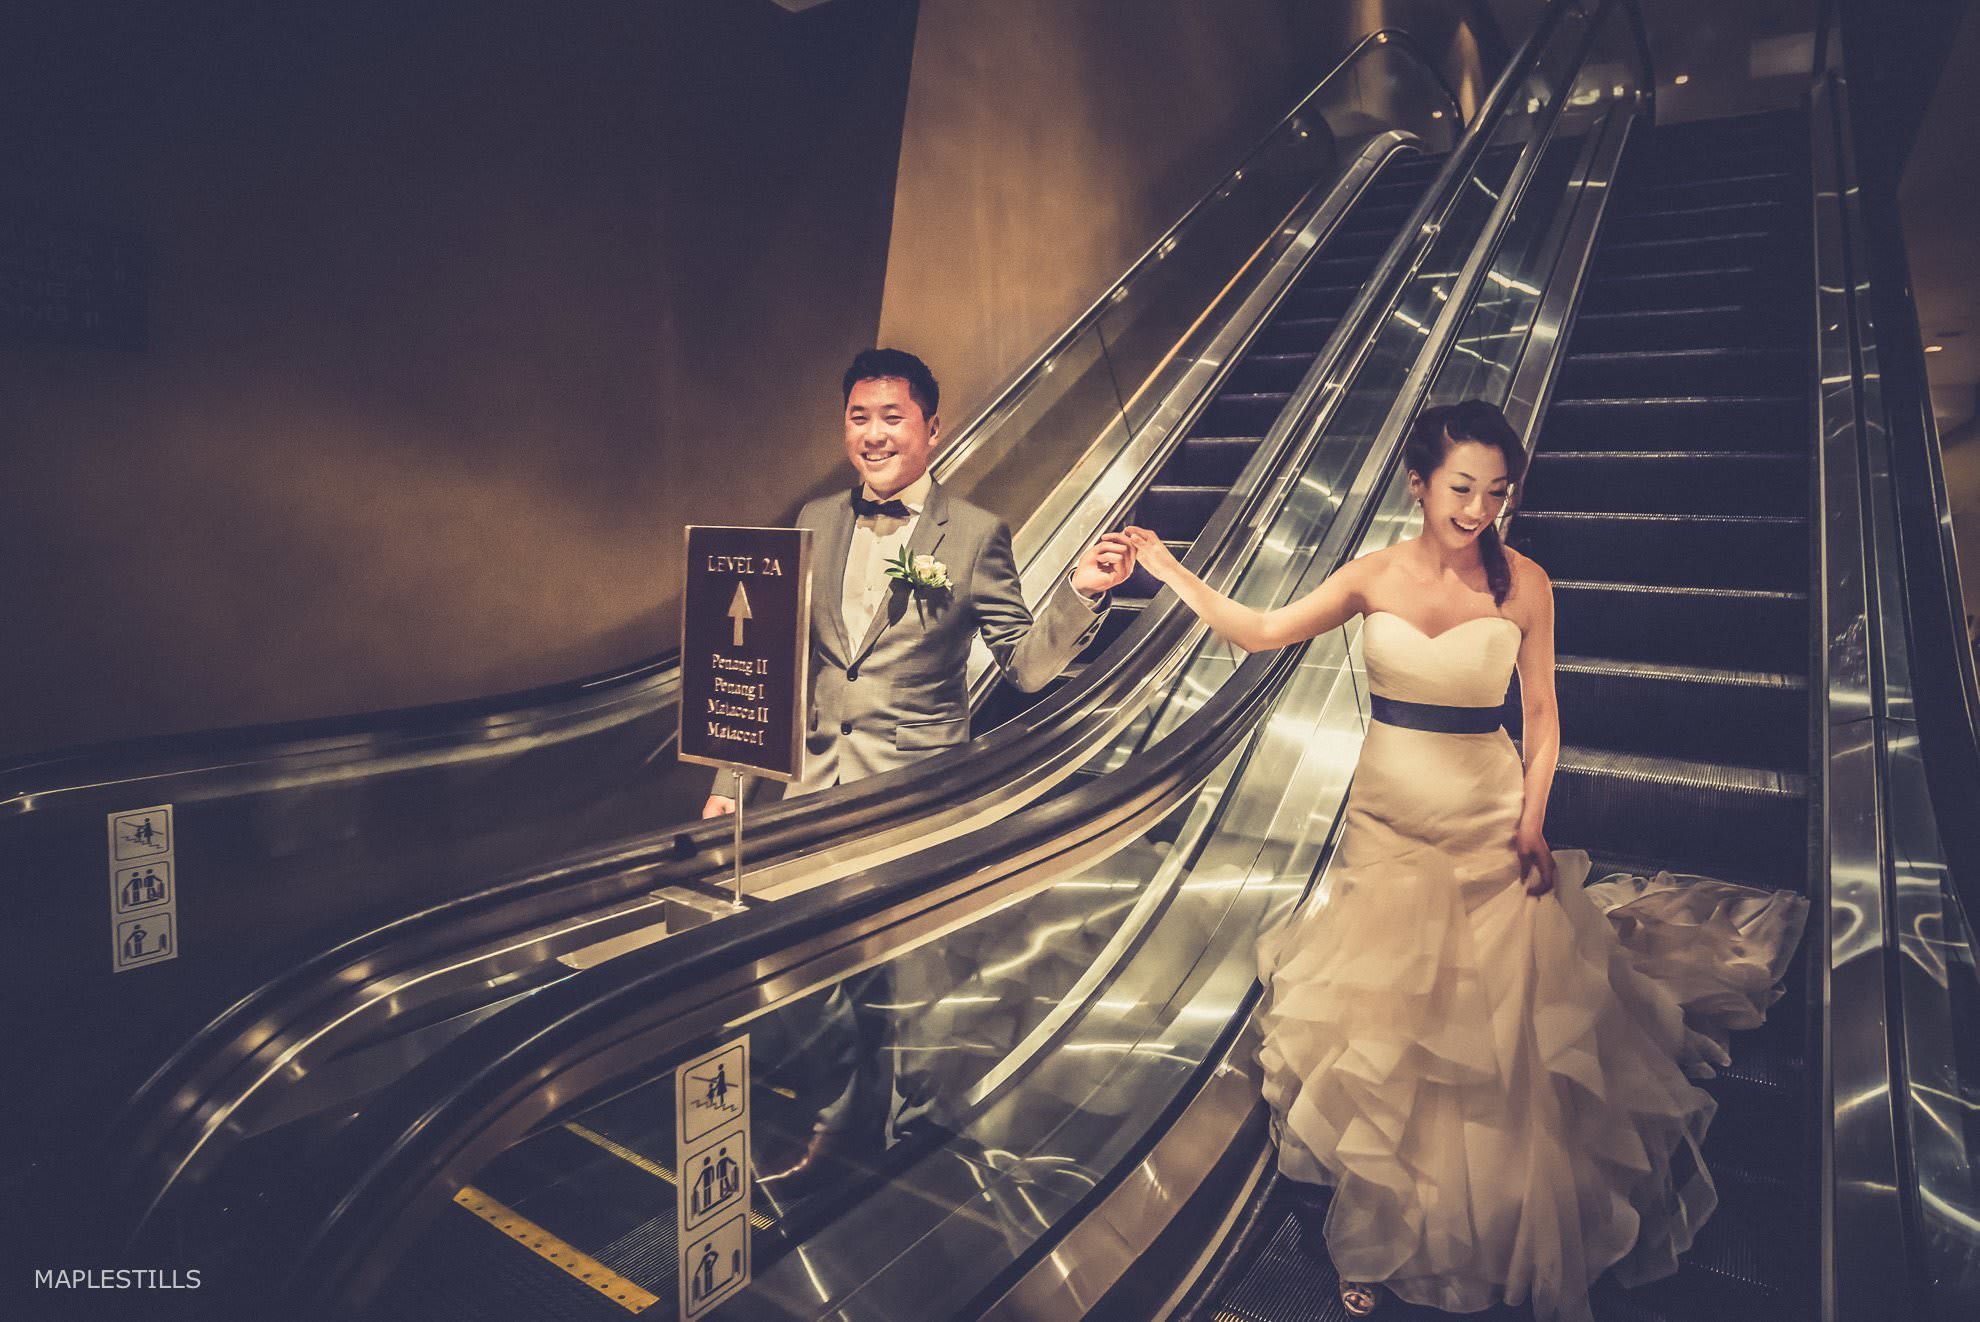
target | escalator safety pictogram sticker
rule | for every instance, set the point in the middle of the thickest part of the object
(712, 1193)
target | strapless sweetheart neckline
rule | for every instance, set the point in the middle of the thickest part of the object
(1433, 637)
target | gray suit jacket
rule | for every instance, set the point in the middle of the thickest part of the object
(899, 694)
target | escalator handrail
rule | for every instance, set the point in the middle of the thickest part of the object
(970, 436)
(27, 785)
(1944, 691)
(403, 1141)
(1640, 35)
(694, 857)
(570, 1013)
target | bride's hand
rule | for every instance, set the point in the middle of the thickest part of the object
(1151, 554)
(1536, 861)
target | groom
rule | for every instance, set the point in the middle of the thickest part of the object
(888, 667)
(889, 658)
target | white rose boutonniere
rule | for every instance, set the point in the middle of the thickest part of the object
(922, 573)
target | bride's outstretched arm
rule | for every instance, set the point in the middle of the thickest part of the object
(1540, 740)
(1328, 606)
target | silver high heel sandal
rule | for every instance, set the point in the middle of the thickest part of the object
(1359, 1297)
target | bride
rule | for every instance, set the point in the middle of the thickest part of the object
(1455, 1038)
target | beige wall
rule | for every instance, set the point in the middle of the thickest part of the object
(1049, 142)
(1938, 198)
(456, 312)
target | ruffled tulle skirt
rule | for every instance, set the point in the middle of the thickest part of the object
(1499, 1086)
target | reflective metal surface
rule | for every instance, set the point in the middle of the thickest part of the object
(1861, 1148)
(1902, 1207)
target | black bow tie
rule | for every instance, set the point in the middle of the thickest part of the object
(893, 509)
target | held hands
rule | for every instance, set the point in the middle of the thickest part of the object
(1105, 566)
(1536, 861)
(718, 805)
(1152, 554)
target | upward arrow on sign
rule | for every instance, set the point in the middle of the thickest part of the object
(739, 611)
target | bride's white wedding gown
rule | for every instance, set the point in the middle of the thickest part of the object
(1496, 1084)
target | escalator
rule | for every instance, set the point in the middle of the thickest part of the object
(1668, 498)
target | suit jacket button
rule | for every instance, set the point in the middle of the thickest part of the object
(845, 727)
(852, 672)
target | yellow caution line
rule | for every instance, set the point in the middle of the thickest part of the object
(646, 1163)
(553, 1250)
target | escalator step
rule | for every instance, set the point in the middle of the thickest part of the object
(1291, 1280)
(1178, 513)
(1682, 550)
(1667, 482)
(1700, 712)
(467, 1265)
(1365, 245)
(1652, 157)
(1318, 301)
(1638, 256)
(1762, 1100)
(1687, 372)
(1243, 413)
(1420, 166)
(1124, 606)
(1737, 1271)
(1731, 628)
(1644, 290)
(1711, 323)
(1696, 816)
(1375, 218)
(1339, 271)
(1382, 193)
(1650, 197)
(1209, 460)
(1295, 335)
(1703, 221)
(1731, 1274)
(1260, 371)
(1778, 167)
(1763, 424)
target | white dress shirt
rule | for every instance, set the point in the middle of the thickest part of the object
(876, 540)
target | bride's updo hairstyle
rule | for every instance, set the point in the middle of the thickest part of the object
(1430, 441)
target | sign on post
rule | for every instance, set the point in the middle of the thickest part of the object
(711, 1152)
(746, 648)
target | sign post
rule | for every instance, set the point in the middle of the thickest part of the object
(745, 655)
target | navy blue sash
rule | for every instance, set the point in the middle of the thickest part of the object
(1430, 716)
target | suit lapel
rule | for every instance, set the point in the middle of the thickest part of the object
(928, 533)
(828, 585)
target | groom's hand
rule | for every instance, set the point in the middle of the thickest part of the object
(1105, 566)
(718, 805)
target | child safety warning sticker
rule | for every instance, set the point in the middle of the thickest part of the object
(144, 888)
(711, 1152)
